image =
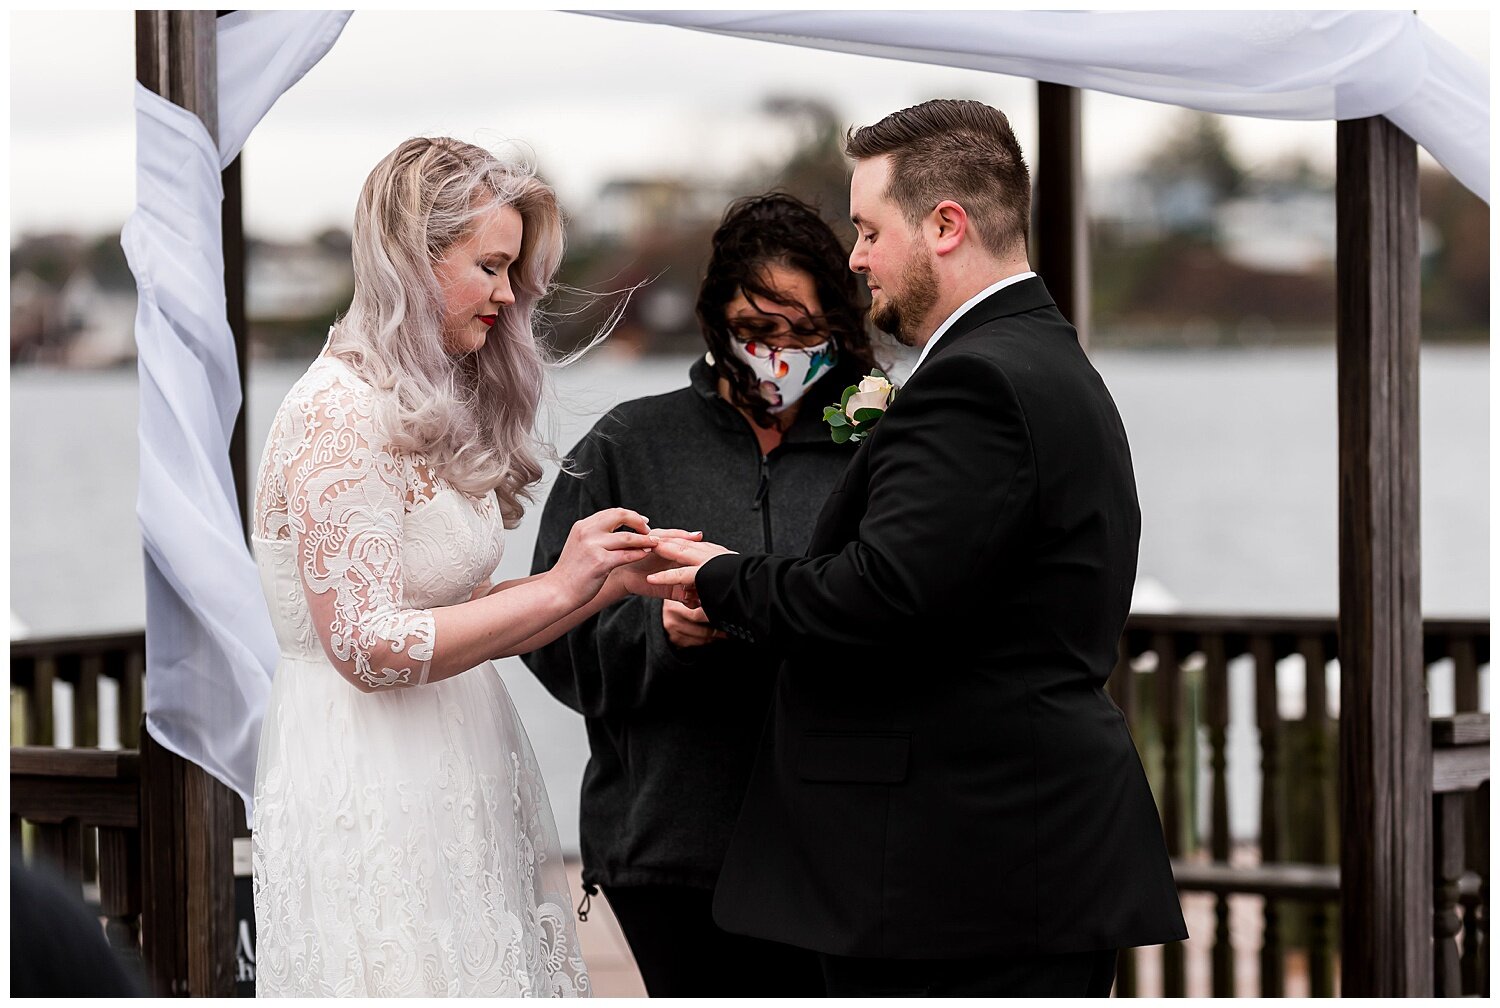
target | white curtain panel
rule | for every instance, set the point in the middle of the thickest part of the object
(1272, 64)
(209, 647)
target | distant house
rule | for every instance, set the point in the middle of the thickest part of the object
(97, 321)
(1292, 232)
(627, 208)
(33, 306)
(1138, 209)
(294, 282)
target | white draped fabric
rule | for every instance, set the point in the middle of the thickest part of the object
(1284, 64)
(209, 646)
(210, 649)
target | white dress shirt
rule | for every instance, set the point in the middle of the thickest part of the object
(948, 323)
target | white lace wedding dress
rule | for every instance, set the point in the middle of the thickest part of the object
(402, 840)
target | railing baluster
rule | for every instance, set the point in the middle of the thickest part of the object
(1448, 865)
(86, 735)
(1465, 673)
(1476, 940)
(120, 889)
(1268, 720)
(39, 710)
(86, 701)
(1316, 840)
(1169, 721)
(23, 686)
(1216, 690)
(132, 686)
(61, 844)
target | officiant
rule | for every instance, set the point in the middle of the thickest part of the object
(675, 709)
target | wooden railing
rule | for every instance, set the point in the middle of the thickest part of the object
(71, 796)
(1460, 854)
(113, 821)
(83, 662)
(1174, 683)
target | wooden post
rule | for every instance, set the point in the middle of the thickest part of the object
(1385, 756)
(188, 824)
(1061, 253)
(232, 220)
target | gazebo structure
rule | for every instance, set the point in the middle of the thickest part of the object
(166, 825)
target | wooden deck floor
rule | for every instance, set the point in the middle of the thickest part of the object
(605, 952)
(613, 971)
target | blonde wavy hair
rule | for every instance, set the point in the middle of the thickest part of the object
(471, 417)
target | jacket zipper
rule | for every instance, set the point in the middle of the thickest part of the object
(761, 504)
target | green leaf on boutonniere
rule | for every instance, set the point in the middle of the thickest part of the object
(843, 427)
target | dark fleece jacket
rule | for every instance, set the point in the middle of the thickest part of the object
(673, 732)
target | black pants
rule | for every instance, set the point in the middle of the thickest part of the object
(681, 952)
(1082, 974)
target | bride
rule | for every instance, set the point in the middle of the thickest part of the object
(402, 839)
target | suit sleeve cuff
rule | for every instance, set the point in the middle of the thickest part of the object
(715, 585)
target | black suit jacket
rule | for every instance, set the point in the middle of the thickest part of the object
(942, 773)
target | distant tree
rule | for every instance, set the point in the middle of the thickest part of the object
(51, 257)
(335, 239)
(1197, 148)
(1456, 270)
(816, 171)
(1293, 173)
(105, 257)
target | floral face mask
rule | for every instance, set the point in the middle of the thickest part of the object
(784, 374)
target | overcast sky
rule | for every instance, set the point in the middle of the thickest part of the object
(590, 98)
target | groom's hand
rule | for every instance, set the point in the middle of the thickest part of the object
(631, 578)
(681, 584)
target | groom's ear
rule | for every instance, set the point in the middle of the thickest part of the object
(948, 226)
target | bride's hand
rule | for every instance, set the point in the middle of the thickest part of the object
(594, 549)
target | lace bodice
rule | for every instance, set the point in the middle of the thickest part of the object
(357, 541)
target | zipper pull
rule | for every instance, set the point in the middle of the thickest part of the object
(765, 485)
(589, 889)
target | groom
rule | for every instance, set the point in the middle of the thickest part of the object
(946, 800)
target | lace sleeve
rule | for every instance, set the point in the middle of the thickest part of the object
(346, 494)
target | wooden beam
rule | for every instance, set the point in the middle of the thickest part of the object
(1060, 216)
(1385, 757)
(188, 815)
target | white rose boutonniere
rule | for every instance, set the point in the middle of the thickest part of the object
(860, 409)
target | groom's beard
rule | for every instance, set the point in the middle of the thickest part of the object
(898, 313)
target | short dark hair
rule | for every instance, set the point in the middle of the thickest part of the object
(963, 151)
(758, 231)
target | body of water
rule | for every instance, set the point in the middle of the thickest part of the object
(1236, 459)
